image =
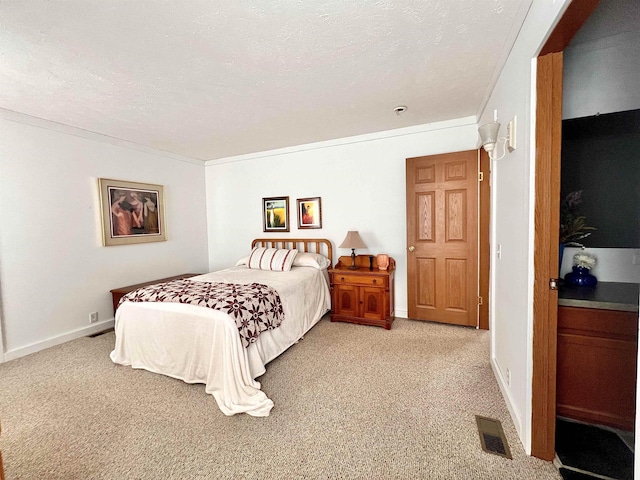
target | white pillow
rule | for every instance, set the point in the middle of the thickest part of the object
(242, 261)
(271, 259)
(315, 260)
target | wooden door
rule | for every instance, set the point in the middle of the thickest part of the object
(442, 238)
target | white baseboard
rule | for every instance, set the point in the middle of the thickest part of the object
(52, 342)
(506, 393)
(402, 314)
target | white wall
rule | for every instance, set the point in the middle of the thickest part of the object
(361, 181)
(512, 218)
(54, 270)
(602, 62)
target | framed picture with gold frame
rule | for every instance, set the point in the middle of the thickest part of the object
(132, 212)
(309, 212)
(275, 214)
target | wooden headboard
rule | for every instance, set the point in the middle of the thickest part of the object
(313, 245)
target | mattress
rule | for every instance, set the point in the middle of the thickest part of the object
(200, 345)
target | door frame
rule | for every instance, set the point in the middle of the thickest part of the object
(548, 137)
(484, 239)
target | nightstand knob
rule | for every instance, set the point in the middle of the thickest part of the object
(374, 281)
(342, 279)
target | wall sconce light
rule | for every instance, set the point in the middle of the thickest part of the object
(489, 138)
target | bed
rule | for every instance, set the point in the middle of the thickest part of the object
(202, 345)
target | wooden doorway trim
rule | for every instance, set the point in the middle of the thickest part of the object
(546, 225)
(484, 240)
(546, 218)
(577, 13)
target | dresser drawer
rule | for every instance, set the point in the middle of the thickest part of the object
(370, 281)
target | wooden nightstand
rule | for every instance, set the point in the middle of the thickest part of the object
(118, 293)
(362, 296)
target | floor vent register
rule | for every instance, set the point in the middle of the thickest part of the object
(492, 437)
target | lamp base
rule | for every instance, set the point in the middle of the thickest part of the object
(353, 260)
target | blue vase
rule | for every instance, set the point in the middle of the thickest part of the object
(580, 276)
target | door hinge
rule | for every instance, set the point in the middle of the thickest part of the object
(480, 176)
(480, 300)
(553, 283)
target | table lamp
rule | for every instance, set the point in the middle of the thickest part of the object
(352, 241)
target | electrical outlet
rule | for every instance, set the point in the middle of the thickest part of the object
(93, 317)
(508, 377)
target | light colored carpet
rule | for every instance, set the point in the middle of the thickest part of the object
(350, 402)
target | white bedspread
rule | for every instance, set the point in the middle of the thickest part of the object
(201, 345)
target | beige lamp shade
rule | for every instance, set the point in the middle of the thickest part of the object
(352, 240)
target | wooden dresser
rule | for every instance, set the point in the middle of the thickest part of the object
(118, 293)
(363, 296)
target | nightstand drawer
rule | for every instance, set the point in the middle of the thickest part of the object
(371, 281)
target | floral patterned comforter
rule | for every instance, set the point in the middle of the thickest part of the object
(255, 307)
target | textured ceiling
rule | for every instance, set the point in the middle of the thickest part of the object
(208, 79)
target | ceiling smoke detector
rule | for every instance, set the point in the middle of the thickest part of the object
(400, 109)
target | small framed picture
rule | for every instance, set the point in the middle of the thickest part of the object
(275, 214)
(309, 212)
(132, 212)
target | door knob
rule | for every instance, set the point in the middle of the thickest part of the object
(412, 248)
